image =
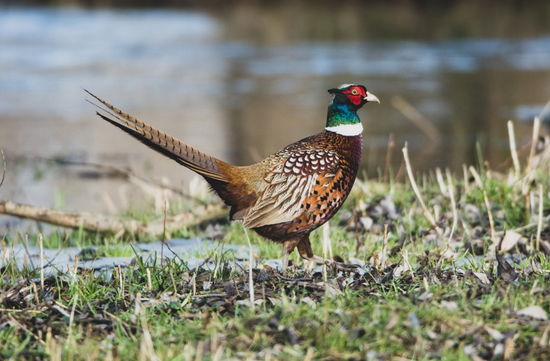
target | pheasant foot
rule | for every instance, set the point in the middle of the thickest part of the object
(338, 266)
(304, 247)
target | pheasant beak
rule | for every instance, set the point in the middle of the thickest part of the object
(371, 98)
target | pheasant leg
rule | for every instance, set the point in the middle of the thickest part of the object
(304, 247)
(288, 247)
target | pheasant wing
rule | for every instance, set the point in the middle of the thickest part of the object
(289, 183)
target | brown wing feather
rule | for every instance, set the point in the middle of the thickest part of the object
(289, 185)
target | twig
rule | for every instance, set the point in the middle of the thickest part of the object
(109, 225)
(26, 329)
(534, 141)
(406, 264)
(147, 337)
(194, 279)
(149, 283)
(4, 173)
(326, 242)
(491, 221)
(513, 148)
(75, 269)
(539, 225)
(71, 318)
(250, 260)
(476, 177)
(453, 202)
(523, 228)
(40, 243)
(427, 214)
(163, 232)
(121, 280)
(441, 182)
(384, 252)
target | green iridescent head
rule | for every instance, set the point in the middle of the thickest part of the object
(344, 103)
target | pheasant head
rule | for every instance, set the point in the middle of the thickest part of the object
(344, 103)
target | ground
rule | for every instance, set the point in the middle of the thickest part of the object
(472, 285)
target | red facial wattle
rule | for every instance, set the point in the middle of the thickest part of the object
(356, 94)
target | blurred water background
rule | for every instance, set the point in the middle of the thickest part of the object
(241, 79)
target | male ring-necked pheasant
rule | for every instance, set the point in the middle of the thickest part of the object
(290, 193)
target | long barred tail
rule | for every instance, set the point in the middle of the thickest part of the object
(192, 158)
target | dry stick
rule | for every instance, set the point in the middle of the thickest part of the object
(149, 283)
(219, 353)
(26, 329)
(406, 264)
(466, 183)
(137, 305)
(121, 281)
(513, 148)
(491, 221)
(194, 279)
(3, 174)
(427, 214)
(35, 290)
(523, 228)
(40, 243)
(384, 253)
(453, 202)
(147, 337)
(200, 350)
(163, 232)
(539, 226)
(534, 141)
(329, 243)
(442, 186)
(71, 319)
(110, 225)
(536, 132)
(476, 177)
(75, 270)
(326, 241)
(544, 339)
(250, 278)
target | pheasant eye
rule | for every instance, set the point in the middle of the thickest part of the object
(354, 92)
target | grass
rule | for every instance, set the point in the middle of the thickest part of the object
(458, 302)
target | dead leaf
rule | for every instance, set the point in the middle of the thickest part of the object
(509, 241)
(450, 305)
(505, 271)
(535, 312)
(482, 277)
(495, 334)
(393, 322)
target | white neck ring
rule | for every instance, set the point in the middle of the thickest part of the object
(348, 130)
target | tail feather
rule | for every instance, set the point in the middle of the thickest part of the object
(192, 158)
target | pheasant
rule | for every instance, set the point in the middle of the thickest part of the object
(290, 193)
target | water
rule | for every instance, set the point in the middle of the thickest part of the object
(242, 82)
(192, 251)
